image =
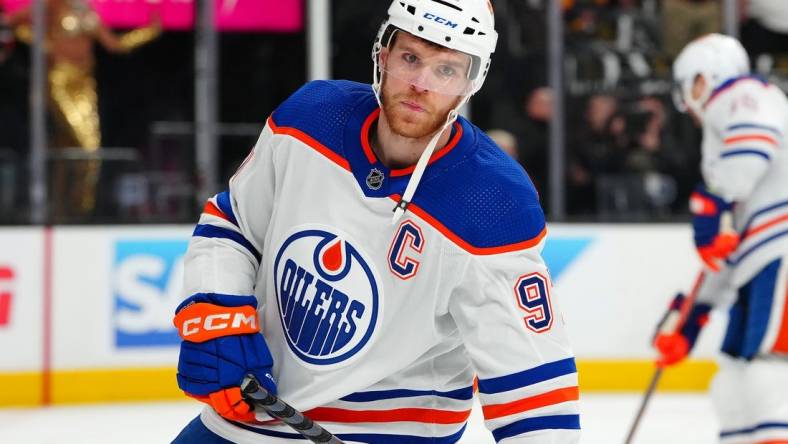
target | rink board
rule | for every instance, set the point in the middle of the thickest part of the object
(90, 311)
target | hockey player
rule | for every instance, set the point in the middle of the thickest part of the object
(745, 172)
(376, 329)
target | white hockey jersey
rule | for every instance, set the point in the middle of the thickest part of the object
(745, 160)
(378, 330)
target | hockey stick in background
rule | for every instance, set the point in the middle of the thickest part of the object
(672, 323)
(260, 397)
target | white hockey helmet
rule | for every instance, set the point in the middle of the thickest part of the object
(467, 26)
(717, 58)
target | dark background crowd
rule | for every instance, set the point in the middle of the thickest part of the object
(629, 155)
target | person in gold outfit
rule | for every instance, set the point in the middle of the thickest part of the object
(72, 27)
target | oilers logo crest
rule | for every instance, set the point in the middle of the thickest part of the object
(328, 296)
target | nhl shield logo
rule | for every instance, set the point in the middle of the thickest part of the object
(375, 179)
(328, 296)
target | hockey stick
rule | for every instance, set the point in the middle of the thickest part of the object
(674, 323)
(260, 397)
(646, 397)
(671, 324)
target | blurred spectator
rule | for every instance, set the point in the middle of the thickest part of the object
(766, 28)
(505, 140)
(539, 105)
(518, 65)
(654, 158)
(685, 20)
(603, 140)
(625, 159)
(647, 119)
(533, 136)
(597, 147)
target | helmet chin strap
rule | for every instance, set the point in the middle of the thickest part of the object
(421, 165)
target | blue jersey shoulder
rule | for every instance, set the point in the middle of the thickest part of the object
(321, 108)
(732, 82)
(486, 198)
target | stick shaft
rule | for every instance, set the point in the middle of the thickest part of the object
(690, 300)
(646, 398)
(260, 397)
(686, 307)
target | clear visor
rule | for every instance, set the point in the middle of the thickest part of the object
(441, 71)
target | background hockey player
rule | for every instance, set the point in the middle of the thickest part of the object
(377, 329)
(745, 172)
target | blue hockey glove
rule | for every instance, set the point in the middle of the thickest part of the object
(221, 344)
(713, 240)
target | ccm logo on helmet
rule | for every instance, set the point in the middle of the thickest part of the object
(440, 20)
(219, 321)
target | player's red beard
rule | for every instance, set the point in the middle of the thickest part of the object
(413, 124)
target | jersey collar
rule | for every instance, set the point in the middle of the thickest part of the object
(456, 135)
(367, 168)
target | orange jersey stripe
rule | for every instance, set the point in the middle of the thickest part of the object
(370, 154)
(305, 138)
(766, 225)
(744, 137)
(213, 210)
(534, 402)
(442, 152)
(311, 142)
(429, 416)
(365, 136)
(781, 342)
(465, 245)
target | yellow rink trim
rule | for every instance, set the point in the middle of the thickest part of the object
(147, 384)
(630, 375)
(87, 386)
(20, 389)
(114, 385)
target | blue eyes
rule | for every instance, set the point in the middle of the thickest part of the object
(441, 70)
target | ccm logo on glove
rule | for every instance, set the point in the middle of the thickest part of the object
(201, 322)
(221, 345)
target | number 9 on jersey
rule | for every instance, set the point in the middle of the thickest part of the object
(533, 297)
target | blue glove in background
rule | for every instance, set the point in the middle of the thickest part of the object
(675, 346)
(707, 209)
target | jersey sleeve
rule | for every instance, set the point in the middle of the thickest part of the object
(226, 247)
(746, 131)
(510, 322)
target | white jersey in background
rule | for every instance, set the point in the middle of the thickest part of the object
(745, 160)
(377, 330)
